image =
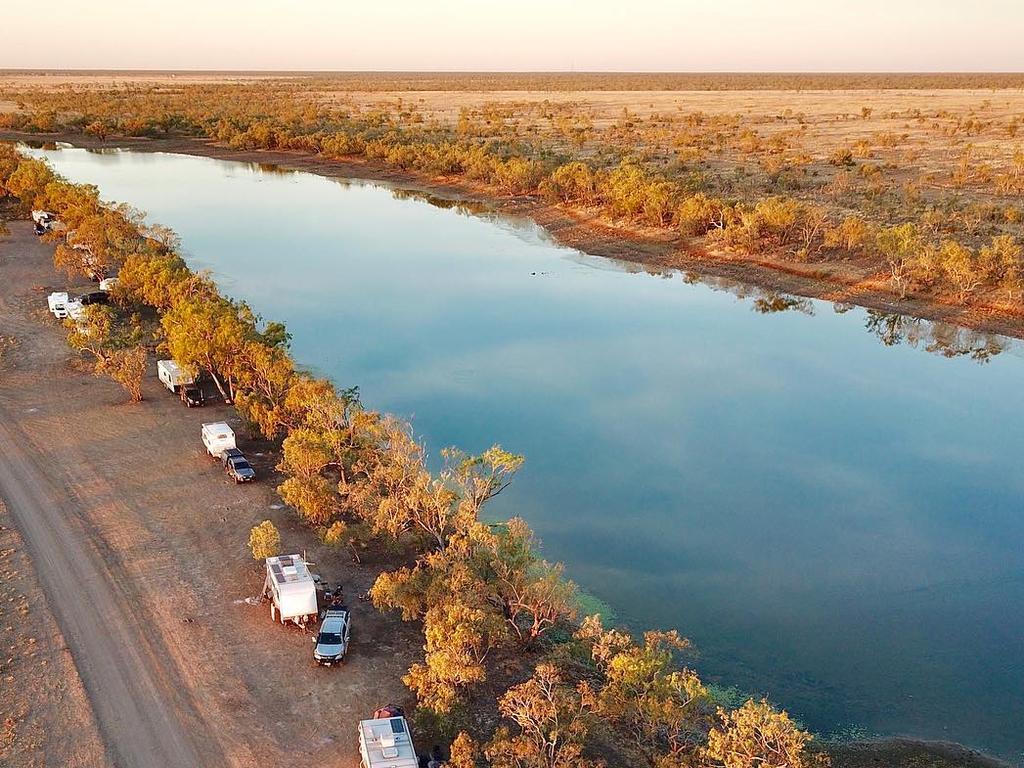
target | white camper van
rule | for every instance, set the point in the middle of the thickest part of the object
(386, 743)
(58, 304)
(217, 437)
(173, 376)
(291, 589)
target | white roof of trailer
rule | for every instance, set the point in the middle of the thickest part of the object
(387, 743)
(289, 572)
(219, 427)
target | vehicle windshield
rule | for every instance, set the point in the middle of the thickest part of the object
(330, 638)
(241, 464)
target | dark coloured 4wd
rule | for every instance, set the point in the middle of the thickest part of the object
(192, 395)
(237, 466)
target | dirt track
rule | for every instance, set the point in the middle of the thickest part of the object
(123, 667)
(124, 674)
(138, 541)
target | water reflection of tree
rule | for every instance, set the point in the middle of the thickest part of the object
(770, 302)
(890, 328)
(765, 301)
(938, 338)
(464, 207)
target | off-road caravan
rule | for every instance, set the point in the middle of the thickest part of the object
(58, 304)
(217, 437)
(173, 376)
(386, 743)
(291, 589)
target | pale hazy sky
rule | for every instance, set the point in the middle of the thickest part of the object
(645, 35)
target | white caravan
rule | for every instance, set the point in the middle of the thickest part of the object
(58, 304)
(386, 743)
(291, 589)
(173, 376)
(44, 218)
(217, 437)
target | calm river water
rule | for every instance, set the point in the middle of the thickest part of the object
(834, 520)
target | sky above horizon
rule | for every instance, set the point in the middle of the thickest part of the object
(542, 35)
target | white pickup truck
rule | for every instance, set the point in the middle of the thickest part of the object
(330, 644)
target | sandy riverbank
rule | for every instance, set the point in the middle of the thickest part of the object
(849, 282)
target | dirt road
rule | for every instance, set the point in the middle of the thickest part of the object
(125, 672)
(138, 541)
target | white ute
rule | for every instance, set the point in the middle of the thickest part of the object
(174, 377)
(217, 437)
(330, 644)
(291, 589)
(386, 743)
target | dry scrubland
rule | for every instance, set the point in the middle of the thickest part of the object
(857, 185)
(914, 189)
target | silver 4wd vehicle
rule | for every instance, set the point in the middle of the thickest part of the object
(237, 466)
(332, 639)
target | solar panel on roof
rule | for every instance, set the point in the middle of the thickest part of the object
(397, 725)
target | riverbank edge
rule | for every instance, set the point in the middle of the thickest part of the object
(852, 754)
(589, 233)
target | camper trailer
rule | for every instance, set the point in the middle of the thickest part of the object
(386, 743)
(291, 589)
(173, 376)
(58, 304)
(217, 437)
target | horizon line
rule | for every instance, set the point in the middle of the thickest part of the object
(105, 70)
